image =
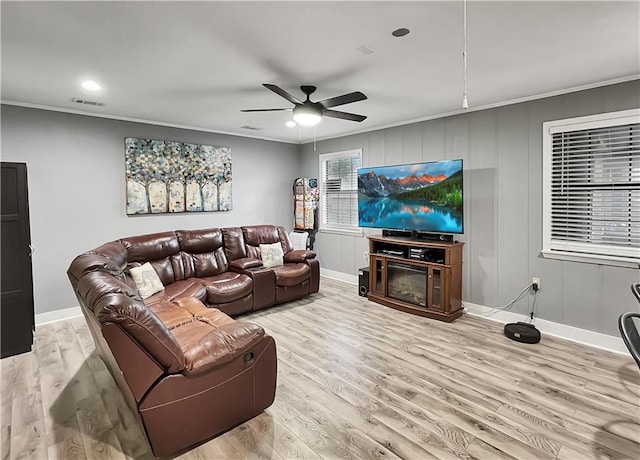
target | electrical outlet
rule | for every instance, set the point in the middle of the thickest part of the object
(536, 283)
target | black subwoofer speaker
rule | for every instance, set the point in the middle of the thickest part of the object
(363, 281)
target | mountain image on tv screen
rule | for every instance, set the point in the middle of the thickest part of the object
(421, 196)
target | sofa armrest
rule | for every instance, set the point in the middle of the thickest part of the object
(245, 263)
(264, 287)
(299, 256)
(112, 301)
(222, 345)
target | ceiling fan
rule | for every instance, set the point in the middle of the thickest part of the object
(309, 113)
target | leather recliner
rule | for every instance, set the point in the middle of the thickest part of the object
(300, 273)
(187, 370)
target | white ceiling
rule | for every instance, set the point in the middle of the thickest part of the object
(196, 64)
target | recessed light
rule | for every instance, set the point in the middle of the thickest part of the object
(401, 32)
(291, 124)
(91, 85)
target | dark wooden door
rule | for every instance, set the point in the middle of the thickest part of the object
(16, 284)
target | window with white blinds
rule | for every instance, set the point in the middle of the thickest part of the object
(591, 179)
(339, 191)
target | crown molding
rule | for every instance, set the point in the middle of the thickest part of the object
(488, 106)
(367, 130)
(139, 120)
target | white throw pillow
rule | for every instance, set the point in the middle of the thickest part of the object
(146, 279)
(272, 254)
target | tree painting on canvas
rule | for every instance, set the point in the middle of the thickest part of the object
(174, 177)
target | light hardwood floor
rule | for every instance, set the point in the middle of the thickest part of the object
(355, 380)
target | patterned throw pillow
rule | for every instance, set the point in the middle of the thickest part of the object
(272, 254)
(146, 279)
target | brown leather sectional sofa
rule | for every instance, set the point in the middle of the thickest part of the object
(187, 370)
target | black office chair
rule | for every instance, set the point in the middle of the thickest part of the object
(635, 288)
(629, 328)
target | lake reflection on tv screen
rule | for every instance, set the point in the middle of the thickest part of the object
(387, 212)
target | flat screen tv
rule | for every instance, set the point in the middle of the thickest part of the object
(424, 197)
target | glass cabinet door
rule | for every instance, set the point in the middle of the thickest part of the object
(435, 277)
(378, 276)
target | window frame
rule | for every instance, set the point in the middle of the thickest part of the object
(322, 227)
(630, 257)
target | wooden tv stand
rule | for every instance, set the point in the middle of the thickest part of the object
(419, 277)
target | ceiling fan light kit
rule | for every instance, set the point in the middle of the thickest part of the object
(307, 115)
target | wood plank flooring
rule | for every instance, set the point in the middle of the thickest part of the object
(356, 380)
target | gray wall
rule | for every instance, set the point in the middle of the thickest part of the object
(502, 153)
(77, 188)
(77, 197)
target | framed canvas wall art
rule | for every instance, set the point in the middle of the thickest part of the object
(174, 177)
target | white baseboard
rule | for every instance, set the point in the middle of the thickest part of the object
(57, 315)
(582, 336)
(351, 279)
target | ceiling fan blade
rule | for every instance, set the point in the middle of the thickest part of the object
(262, 110)
(282, 93)
(344, 99)
(343, 115)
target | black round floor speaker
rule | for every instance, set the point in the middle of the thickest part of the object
(522, 332)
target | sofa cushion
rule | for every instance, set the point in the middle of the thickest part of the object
(271, 254)
(170, 314)
(206, 264)
(233, 243)
(205, 346)
(211, 316)
(291, 274)
(255, 235)
(146, 280)
(192, 287)
(283, 236)
(227, 287)
(162, 250)
(202, 252)
(145, 248)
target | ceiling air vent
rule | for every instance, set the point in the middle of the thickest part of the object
(365, 49)
(86, 102)
(251, 128)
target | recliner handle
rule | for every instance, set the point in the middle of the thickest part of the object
(248, 357)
